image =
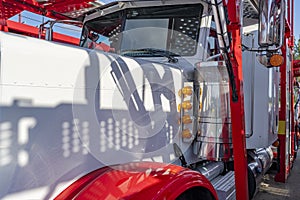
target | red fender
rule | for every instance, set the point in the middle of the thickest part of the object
(138, 180)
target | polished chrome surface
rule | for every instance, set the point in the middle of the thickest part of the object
(214, 148)
(211, 169)
(213, 140)
(260, 160)
(271, 26)
(265, 156)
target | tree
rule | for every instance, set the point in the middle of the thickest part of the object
(297, 50)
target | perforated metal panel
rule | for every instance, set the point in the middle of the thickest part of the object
(114, 34)
(186, 38)
(250, 9)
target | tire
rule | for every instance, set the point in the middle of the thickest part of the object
(196, 193)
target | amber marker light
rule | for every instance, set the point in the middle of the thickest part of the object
(186, 119)
(276, 60)
(186, 105)
(186, 133)
(186, 91)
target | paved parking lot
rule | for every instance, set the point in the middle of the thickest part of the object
(271, 190)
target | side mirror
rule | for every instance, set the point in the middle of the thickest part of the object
(271, 23)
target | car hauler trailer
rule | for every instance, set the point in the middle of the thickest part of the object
(183, 105)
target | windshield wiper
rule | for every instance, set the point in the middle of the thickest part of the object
(147, 52)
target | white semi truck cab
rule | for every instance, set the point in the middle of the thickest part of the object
(150, 81)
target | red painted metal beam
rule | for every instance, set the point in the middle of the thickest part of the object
(293, 122)
(296, 68)
(52, 9)
(286, 124)
(281, 176)
(13, 7)
(291, 45)
(67, 4)
(237, 108)
(24, 29)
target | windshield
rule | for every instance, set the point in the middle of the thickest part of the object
(170, 28)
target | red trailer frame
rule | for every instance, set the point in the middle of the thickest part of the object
(238, 120)
(286, 128)
(238, 127)
(58, 10)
